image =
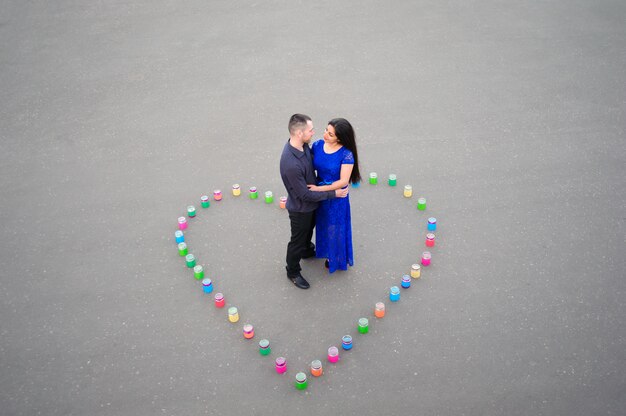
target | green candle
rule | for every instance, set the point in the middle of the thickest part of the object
(301, 382)
(392, 180)
(363, 326)
(421, 204)
(191, 260)
(198, 272)
(373, 178)
(182, 249)
(264, 347)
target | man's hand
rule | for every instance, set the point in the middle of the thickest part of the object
(341, 193)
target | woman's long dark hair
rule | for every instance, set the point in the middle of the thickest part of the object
(345, 136)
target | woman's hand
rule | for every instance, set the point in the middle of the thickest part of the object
(313, 188)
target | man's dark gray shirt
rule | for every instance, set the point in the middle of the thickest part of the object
(296, 169)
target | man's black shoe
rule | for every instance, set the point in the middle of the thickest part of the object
(299, 281)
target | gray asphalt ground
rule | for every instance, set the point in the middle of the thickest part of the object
(508, 116)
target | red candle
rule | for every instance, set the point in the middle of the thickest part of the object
(219, 300)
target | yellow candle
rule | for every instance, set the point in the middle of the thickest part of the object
(415, 271)
(233, 314)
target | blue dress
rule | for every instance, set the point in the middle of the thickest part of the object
(333, 228)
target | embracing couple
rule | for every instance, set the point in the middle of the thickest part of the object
(319, 200)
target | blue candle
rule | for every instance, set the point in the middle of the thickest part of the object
(406, 281)
(180, 237)
(394, 294)
(207, 285)
(346, 342)
(432, 224)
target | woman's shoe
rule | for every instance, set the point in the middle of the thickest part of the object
(326, 264)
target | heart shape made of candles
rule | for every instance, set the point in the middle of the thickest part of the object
(212, 285)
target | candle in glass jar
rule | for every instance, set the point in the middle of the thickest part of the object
(219, 300)
(281, 365)
(207, 285)
(191, 260)
(415, 271)
(333, 354)
(394, 294)
(264, 347)
(379, 310)
(233, 314)
(426, 258)
(316, 368)
(248, 331)
(198, 272)
(406, 281)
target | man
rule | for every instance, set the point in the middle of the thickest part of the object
(296, 170)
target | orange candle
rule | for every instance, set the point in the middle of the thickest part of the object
(379, 310)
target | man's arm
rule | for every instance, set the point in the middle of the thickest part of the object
(297, 186)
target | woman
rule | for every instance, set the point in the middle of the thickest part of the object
(336, 162)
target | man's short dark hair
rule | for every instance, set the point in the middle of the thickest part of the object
(298, 122)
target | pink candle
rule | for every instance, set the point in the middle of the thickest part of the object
(281, 365)
(217, 195)
(430, 240)
(333, 354)
(426, 258)
(182, 223)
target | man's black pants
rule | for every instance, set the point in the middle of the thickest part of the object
(302, 224)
